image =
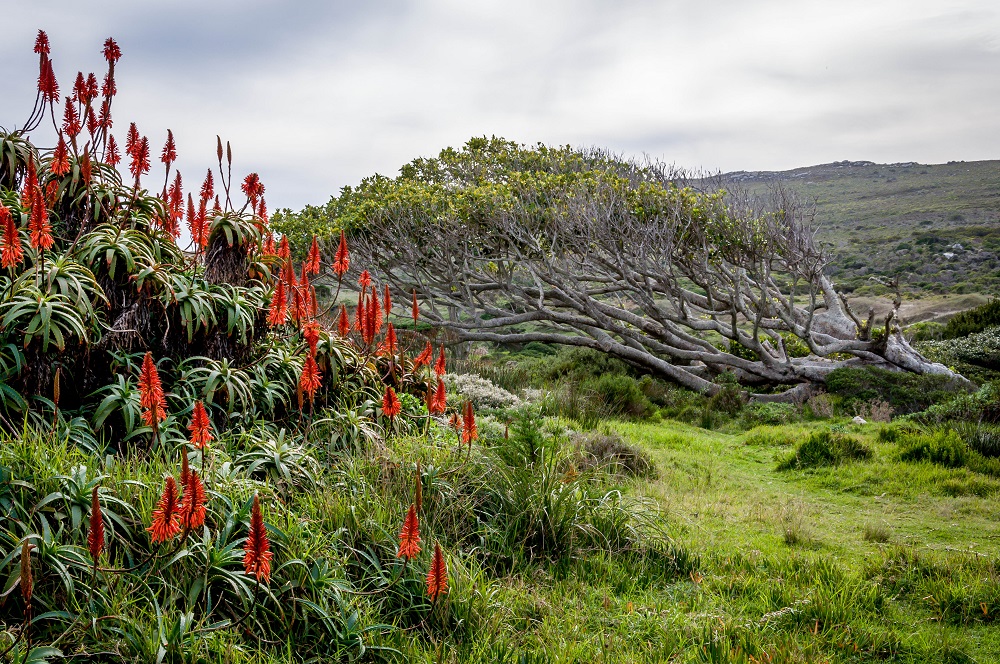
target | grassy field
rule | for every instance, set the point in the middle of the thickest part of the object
(879, 560)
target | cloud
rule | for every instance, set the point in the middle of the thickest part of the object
(315, 95)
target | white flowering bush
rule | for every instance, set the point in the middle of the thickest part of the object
(481, 392)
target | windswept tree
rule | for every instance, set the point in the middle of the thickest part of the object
(508, 243)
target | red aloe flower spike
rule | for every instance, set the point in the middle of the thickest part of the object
(359, 314)
(469, 431)
(109, 88)
(192, 219)
(185, 470)
(376, 307)
(278, 313)
(262, 211)
(175, 206)
(132, 139)
(104, 119)
(90, 88)
(439, 367)
(71, 119)
(51, 189)
(208, 187)
(216, 208)
(253, 188)
(30, 185)
(201, 236)
(387, 302)
(60, 158)
(111, 51)
(342, 261)
(80, 88)
(192, 510)
(200, 427)
(364, 279)
(409, 536)
(268, 247)
(86, 171)
(390, 403)
(92, 124)
(27, 579)
(425, 357)
(416, 309)
(169, 154)
(437, 577)
(111, 152)
(151, 397)
(311, 266)
(257, 551)
(166, 516)
(453, 422)
(140, 159)
(12, 253)
(310, 332)
(284, 251)
(310, 380)
(391, 342)
(42, 43)
(48, 86)
(439, 402)
(38, 224)
(343, 322)
(95, 538)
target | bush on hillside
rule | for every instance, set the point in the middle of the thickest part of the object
(973, 320)
(826, 448)
(904, 392)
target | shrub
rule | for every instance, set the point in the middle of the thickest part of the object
(480, 391)
(980, 406)
(611, 452)
(825, 448)
(820, 405)
(617, 394)
(730, 398)
(976, 355)
(981, 438)
(905, 392)
(974, 320)
(943, 447)
(768, 413)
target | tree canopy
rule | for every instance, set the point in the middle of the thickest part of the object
(674, 273)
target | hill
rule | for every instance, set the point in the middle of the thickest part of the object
(935, 226)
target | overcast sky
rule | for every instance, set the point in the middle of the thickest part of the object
(317, 94)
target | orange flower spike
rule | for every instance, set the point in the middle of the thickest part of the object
(359, 313)
(376, 314)
(310, 380)
(469, 430)
(388, 301)
(111, 154)
(185, 471)
(425, 357)
(192, 511)
(343, 322)
(409, 536)
(208, 187)
(257, 550)
(390, 403)
(439, 367)
(415, 309)
(439, 402)
(169, 154)
(30, 185)
(437, 577)
(151, 397)
(12, 253)
(284, 251)
(364, 280)
(278, 313)
(60, 158)
(166, 516)
(200, 427)
(95, 538)
(311, 265)
(311, 332)
(342, 261)
(71, 120)
(391, 342)
(38, 224)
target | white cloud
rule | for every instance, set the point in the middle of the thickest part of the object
(316, 95)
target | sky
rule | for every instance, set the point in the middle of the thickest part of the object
(318, 94)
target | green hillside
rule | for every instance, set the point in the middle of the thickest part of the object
(905, 220)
